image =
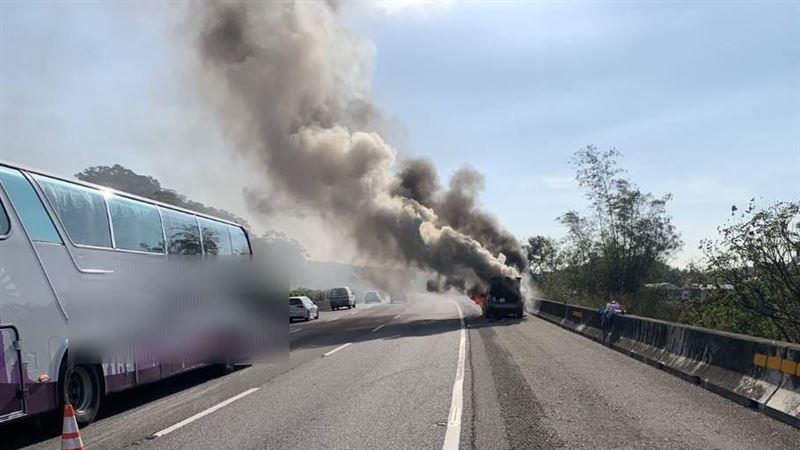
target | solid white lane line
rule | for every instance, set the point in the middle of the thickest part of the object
(227, 402)
(336, 349)
(453, 435)
(377, 328)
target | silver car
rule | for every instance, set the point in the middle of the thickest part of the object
(302, 308)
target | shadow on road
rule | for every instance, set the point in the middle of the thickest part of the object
(47, 426)
(327, 336)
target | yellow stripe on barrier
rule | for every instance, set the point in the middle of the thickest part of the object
(776, 363)
(773, 363)
(788, 366)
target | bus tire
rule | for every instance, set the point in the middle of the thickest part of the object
(225, 368)
(81, 386)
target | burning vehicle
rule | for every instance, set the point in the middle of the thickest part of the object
(502, 298)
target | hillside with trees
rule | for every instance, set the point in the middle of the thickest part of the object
(619, 248)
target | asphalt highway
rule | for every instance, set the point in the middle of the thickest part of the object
(393, 376)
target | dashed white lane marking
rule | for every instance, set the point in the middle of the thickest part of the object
(453, 435)
(295, 330)
(377, 328)
(354, 312)
(201, 414)
(336, 349)
(400, 314)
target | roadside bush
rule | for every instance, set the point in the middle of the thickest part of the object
(316, 295)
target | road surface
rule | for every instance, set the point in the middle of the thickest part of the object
(385, 376)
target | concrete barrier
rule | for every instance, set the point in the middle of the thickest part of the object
(754, 372)
(786, 400)
(645, 341)
(585, 321)
(552, 311)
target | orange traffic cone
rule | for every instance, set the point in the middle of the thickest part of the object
(70, 435)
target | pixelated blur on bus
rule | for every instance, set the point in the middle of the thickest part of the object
(109, 291)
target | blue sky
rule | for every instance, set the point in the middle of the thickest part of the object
(702, 99)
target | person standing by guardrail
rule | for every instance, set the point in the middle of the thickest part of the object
(607, 314)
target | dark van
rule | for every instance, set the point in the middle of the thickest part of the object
(504, 297)
(342, 297)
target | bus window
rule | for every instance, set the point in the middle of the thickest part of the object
(137, 225)
(29, 207)
(5, 224)
(216, 239)
(183, 235)
(82, 211)
(239, 244)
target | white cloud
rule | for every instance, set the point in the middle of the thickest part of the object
(550, 182)
(710, 190)
(559, 183)
(415, 8)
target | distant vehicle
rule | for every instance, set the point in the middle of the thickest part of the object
(342, 297)
(398, 296)
(302, 308)
(373, 297)
(504, 297)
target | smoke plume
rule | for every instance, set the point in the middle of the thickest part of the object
(291, 87)
(458, 206)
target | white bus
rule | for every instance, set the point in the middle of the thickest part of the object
(62, 239)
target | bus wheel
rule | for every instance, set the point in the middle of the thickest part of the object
(225, 368)
(81, 387)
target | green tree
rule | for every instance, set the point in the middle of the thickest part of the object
(544, 256)
(627, 233)
(316, 295)
(662, 272)
(755, 267)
